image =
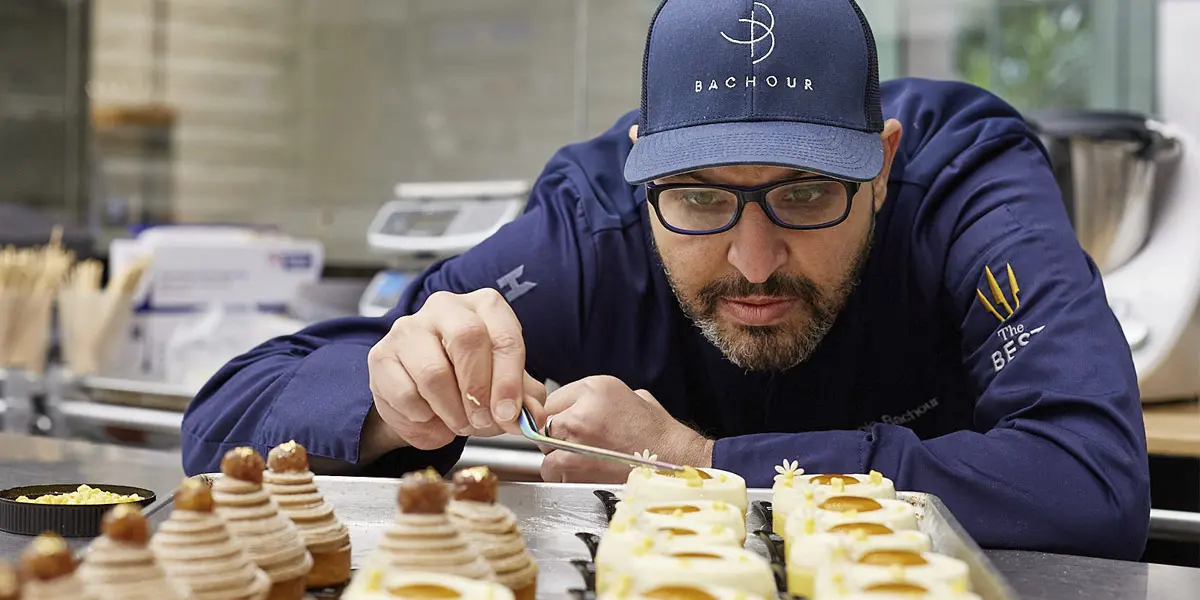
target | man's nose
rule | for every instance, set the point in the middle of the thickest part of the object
(757, 249)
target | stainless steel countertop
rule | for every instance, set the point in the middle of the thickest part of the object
(27, 460)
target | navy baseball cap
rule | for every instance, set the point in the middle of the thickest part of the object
(788, 83)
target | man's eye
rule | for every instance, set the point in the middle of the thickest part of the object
(803, 194)
(701, 198)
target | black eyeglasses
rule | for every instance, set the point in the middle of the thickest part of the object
(703, 209)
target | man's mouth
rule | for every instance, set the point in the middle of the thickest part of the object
(758, 311)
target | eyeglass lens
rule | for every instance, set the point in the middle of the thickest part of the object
(703, 208)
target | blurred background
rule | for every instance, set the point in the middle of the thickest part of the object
(310, 156)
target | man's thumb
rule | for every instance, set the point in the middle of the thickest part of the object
(648, 397)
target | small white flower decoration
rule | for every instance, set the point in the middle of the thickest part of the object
(788, 470)
(644, 455)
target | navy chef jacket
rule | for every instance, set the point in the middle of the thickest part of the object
(1013, 398)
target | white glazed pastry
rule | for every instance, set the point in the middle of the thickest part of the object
(624, 540)
(679, 591)
(793, 488)
(647, 485)
(905, 592)
(811, 518)
(846, 542)
(675, 513)
(120, 564)
(378, 582)
(876, 567)
(684, 562)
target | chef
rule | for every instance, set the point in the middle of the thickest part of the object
(776, 257)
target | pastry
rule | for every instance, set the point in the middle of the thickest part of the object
(48, 571)
(290, 483)
(792, 488)
(875, 567)
(10, 583)
(422, 538)
(905, 591)
(696, 564)
(196, 549)
(119, 565)
(680, 591)
(269, 538)
(376, 582)
(649, 485)
(674, 513)
(624, 539)
(812, 517)
(492, 529)
(845, 542)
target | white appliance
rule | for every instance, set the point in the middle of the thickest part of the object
(1156, 294)
(430, 221)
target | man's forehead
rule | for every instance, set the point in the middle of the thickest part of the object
(745, 176)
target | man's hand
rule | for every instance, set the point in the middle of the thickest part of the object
(602, 411)
(456, 367)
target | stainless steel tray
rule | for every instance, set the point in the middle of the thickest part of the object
(551, 514)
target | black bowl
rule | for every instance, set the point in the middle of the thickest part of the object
(68, 520)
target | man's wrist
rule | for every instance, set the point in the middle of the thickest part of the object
(377, 439)
(695, 449)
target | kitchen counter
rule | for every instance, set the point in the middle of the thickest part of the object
(27, 460)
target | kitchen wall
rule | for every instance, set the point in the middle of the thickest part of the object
(305, 113)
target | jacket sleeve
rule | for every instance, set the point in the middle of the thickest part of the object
(313, 386)
(1056, 460)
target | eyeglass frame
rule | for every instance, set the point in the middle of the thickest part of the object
(751, 195)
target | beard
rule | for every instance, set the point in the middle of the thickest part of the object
(771, 347)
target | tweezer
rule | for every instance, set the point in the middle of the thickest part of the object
(529, 430)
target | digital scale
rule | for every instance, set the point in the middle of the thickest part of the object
(430, 221)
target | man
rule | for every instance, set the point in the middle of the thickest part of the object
(754, 267)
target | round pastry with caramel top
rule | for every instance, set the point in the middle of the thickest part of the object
(492, 529)
(657, 515)
(793, 488)
(890, 566)
(626, 539)
(845, 542)
(648, 485)
(812, 517)
(48, 570)
(10, 582)
(290, 483)
(376, 582)
(195, 548)
(120, 563)
(698, 564)
(270, 539)
(423, 539)
(680, 591)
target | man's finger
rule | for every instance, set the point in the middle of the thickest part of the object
(426, 363)
(648, 397)
(566, 396)
(391, 385)
(422, 436)
(469, 348)
(508, 357)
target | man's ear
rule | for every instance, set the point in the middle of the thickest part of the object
(633, 133)
(891, 135)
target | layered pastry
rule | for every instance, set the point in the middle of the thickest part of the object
(10, 583)
(48, 571)
(793, 488)
(881, 567)
(906, 591)
(290, 483)
(624, 539)
(492, 529)
(422, 538)
(377, 582)
(677, 591)
(196, 549)
(676, 513)
(696, 564)
(120, 564)
(812, 517)
(270, 539)
(648, 485)
(845, 542)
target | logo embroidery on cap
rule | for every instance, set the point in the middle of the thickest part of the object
(768, 30)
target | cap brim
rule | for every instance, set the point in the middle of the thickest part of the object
(834, 151)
